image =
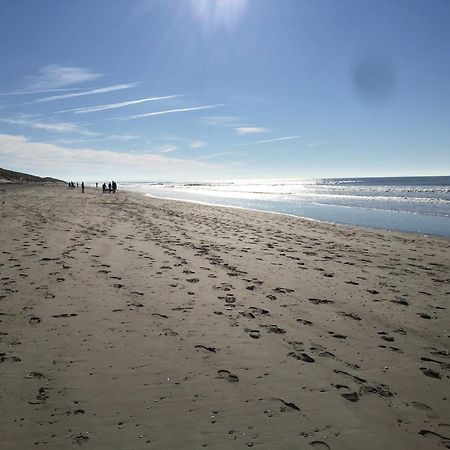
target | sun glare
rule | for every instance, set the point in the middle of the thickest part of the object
(219, 13)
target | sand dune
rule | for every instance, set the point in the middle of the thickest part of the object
(134, 323)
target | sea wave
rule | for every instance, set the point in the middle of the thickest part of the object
(407, 205)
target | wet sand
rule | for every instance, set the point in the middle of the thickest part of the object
(135, 323)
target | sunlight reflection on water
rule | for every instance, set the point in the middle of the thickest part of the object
(398, 204)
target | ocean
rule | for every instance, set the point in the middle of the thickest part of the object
(412, 204)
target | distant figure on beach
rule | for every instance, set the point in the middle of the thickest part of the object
(109, 187)
(77, 185)
(114, 187)
(96, 185)
(104, 187)
(82, 187)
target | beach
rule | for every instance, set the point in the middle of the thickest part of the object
(129, 322)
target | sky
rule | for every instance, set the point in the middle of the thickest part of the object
(184, 90)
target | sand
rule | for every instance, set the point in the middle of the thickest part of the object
(135, 323)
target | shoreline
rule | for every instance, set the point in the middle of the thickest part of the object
(134, 322)
(294, 216)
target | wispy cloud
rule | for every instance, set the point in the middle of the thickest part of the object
(169, 137)
(168, 148)
(56, 76)
(123, 137)
(57, 127)
(197, 144)
(171, 111)
(39, 91)
(63, 162)
(103, 90)
(265, 141)
(251, 130)
(110, 137)
(222, 121)
(214, 155)
(91, 109)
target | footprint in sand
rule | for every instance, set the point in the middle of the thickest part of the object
(282, 290)
(424, 316)
(229, 298)
(444, 440)
(35, 375)
(41, 397)
(435, 351)
(444, 365)
(350, 396)
(428, 411)
(163, 316)
(254, 334)
(204, 347)
(336, 335)
(80, 439)
(169, 332)
(301, 356)
(288, 406)
(193, 280)
(64, 315)
(319, 445)
(223, 287)
(319, 301)
(274, 329)
(400, 301)
(319, 350)
(350, 315)
(259, 311)
(34, 320)
(304, 321)
(228, 376)
(135, 304)
(430, 373)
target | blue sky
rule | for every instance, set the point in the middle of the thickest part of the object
(225, 89)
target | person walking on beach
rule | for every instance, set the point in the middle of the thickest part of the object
(104, 187)
(114, 187)
(109, 187)
(82, 187)
(96, 185)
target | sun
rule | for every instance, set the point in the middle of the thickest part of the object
(213, 14)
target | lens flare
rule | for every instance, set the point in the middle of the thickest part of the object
(213, 14)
